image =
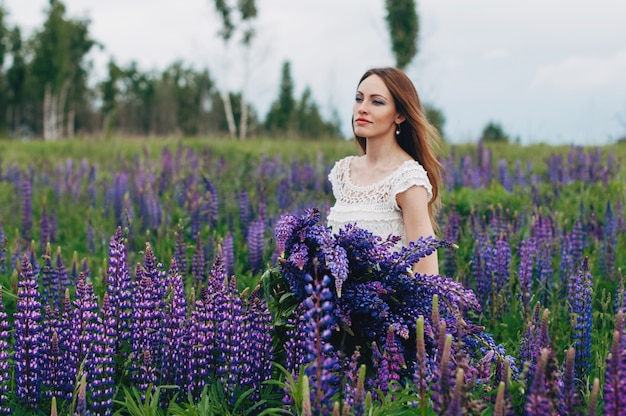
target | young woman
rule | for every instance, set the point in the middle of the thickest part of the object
(393, 187)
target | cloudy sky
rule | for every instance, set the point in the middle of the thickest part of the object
(550, 71)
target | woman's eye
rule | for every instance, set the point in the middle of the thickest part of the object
(358, 99)
(378, 102)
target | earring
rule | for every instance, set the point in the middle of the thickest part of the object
(397, 129)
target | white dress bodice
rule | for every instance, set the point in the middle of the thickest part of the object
(373, 207)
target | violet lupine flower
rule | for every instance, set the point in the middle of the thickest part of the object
(525, 272)
(390, 362)
(320, 354)
(570, 399)
(258, 356)
(84, 325)
(244, 212)
(32, 259)
(4, 242)
(27, 210)
(455, 408)
(50, 287)
(580, 298)
(256, 246)
(62, 276)
(212, 198)
(198, 266)
(228, 253)
(28, 333)
(119, 289)
(146, 324)
(615, 378)
(451, 233)
(200, 348)
(537, 401)
(442, 386)
(180, 251)
(57, 378)
(5, 376)
(609, 243)
(174, 329)
(45, 228)
(102, 383)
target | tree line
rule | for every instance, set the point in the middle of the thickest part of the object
(44, 92)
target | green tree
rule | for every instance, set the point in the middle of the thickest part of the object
(403, 25)
(436, 117)
(280, 117)
(493, 132)
(309, 121)
(59, 68)
(16, 83)
(4, 32)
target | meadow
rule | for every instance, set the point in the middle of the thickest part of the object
(159, 276)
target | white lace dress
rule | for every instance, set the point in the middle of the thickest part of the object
(373, 207)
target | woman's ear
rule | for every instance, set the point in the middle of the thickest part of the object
(400, 119)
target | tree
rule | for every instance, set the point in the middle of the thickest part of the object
(436, 117)
(494, 133)
(58, 66)
(403, 25)
(4, 32)
(280, 117)
(16, 79)
(247, 13)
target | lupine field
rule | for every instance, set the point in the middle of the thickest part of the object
(198, 278)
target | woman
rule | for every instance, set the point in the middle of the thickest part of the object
(393, 187)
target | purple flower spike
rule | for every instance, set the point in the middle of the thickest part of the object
(5, 376)
(28, 333)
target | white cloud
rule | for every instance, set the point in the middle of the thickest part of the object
(583, 73)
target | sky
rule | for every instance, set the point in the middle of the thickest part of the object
(548, 71)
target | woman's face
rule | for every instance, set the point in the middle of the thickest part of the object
(374, 112)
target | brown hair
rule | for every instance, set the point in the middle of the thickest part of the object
(417, 137)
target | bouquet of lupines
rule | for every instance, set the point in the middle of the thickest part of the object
(375, 296)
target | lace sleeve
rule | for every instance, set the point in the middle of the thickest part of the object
(411, 174)
(333, 177)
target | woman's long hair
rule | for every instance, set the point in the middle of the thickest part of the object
(417, 137)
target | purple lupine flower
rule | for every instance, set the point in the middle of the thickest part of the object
(258, 356)
(570, 393)
(451, 233)
(180, 251)
(228, 253)
(200, 345)
(212, 198)
(84, 325)
(50, 288)
(5, 376)
(119, 289)
(81, 397)
(390, 362)
(442, 386)
(28, 333)
(4, 242)
(62, 276)
(455, 408)
(146, 323)
(229, 319)
(174, 329)
(614, 378)
(198, 266)
(102, 384)
(525, 273)
(244, 212)
(580, 298)
(322, 371)
(27, 210)
(45, 228)
(537, 401)
(57, 379)
(256, 245)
